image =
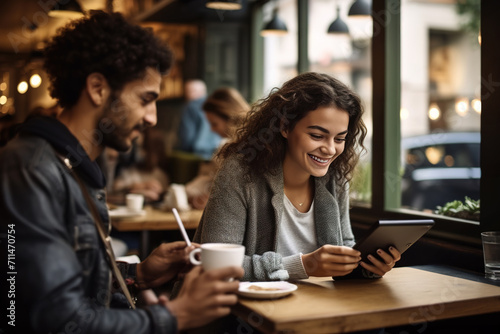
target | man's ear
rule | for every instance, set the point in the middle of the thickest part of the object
(97, 88)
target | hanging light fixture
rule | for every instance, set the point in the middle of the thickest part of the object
(224, 4)
(404, 113)
(476, 105)
(462, 106)
(338, 26)
(35, 80)
(69, 9)
(434, 112)
(22, 87)
(361, 8)
(275, 27)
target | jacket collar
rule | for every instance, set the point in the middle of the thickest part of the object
(63, 141)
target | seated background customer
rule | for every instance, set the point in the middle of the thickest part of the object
(225, 110)
(194, 134)
(147, 174)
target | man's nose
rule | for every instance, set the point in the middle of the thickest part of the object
(150, 118)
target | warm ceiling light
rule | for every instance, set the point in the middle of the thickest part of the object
(338, 26)
(35, 80)
(361, 8)
(476, 105)
(462, 106)
(22, 87)
(68, 9)
(404, 113)
(275, 27)
(3, 100)
(434, 111)
(224, 4)
(434, 154)
(3, 86)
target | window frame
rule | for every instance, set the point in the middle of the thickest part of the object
(386, 128)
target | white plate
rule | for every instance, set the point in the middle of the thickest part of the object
(283, 289)
(123, 212)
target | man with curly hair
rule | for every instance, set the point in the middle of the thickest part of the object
(106, 75)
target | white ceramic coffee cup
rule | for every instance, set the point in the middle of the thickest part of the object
(218, 255)
(135, 202)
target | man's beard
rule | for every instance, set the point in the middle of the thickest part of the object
(116, 142)
(116, 136)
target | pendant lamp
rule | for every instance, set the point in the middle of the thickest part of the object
(275, 27)
(224, 4)
(68, 9)
(361, 8)
(22, 86)
(338, 26)
(35, 80)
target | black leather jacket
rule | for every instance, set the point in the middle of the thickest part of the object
(63, 279)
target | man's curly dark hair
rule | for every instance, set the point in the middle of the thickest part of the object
(103, 43)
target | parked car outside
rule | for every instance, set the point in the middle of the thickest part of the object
(440, 168)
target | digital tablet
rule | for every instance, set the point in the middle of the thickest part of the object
(398, 233)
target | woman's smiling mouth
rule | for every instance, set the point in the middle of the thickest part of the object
(318, 159)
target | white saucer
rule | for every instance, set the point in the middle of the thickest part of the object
(124, 212)
(282, 289)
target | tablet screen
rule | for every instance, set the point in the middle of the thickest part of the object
(398, 233)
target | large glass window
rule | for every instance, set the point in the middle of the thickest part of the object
(426, 117)
(280, 51)
(347, 57)
(440, 104)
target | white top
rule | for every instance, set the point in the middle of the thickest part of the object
(296, 233)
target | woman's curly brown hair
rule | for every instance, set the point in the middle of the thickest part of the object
(260, 141)
(103, 43)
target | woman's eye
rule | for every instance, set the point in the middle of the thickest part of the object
(315, 136)
(340, 139)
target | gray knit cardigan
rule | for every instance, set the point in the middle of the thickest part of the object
(246, 209)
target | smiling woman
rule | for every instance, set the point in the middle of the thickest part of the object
(310, 151)
(293, 159)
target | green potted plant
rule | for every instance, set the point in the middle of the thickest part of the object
(469, 209)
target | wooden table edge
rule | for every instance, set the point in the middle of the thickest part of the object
(413, 315)
(417, 316)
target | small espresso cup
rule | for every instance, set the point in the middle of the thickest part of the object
(135, 202)
(218, 255)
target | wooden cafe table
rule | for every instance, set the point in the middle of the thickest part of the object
(154, 219)
(404, 296)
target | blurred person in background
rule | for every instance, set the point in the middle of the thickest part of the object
(147, 174)
(194, 134)
(225, 110)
